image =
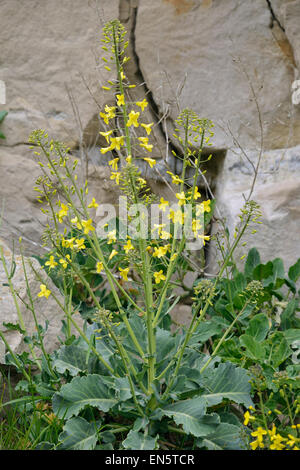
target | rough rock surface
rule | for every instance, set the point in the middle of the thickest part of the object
(46, 309)
(219, 50)
(277, 191)
(50, 52)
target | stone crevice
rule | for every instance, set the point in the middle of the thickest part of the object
(274, 17)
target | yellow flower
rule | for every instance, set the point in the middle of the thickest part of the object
(44, 291)
(203, 207)
(277, 442)
(106, 135)
(173, 257)
(128, 246)
(129, 159)
(175, 178)
(181, 198)
(176, 216)
(196, 225)
(76, 222)
(93, 204)
(63, 212)
(114, 164)
(64, 262)
(160, 252)
(69, 243)
(259, 433)
(133, 119)
(110, 110)
(147, 127)
(111, 237)
(104, 150)
(163, 204)
(116, 142)
(51, 263)
(196, 194)
(80, 244)
(120, 100)
(124, 273)
(88, 227)
(148, 147)
(99, 266)
(292, 440)
(204, 238)
(151, 161)
(159, 276)
(248, 418)
(255, 444)
(113, 253)
(164, 235)
(115, 176)
(142, 104)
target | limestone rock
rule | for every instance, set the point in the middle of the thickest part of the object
(218, 50)
(46, 309)
(50, 56)
(277, 191)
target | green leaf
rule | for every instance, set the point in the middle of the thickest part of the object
(291, 335)
(138, 441)
(279, 349)
(226, 381)
(204, 331)
(254, 349)
(258, 327)
(78, 434)
(74, 360)
(191, 415)
(82, 392)
(288, 315)
(253, 260)
(294, 271)
(2, 136)
(225, 437)
(123, 388)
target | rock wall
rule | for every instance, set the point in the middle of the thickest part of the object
(230, 60)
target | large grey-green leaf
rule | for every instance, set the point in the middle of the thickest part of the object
(226, 381)
(253, 348)
(191, 414)
(258, 327)
(74, 359)
(225, 437)
(81, 392)
(138, 441)
(253, 260)
(78, 434)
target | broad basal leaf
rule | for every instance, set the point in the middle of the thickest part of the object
(74, 359)
(225, 437)
(226, 381)
(258, 327)
(253, 260)
(81, 392)
(191, 415)
(253, 349)
(78, 434)
(138, 441)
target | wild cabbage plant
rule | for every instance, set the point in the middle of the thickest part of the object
(127, 381)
